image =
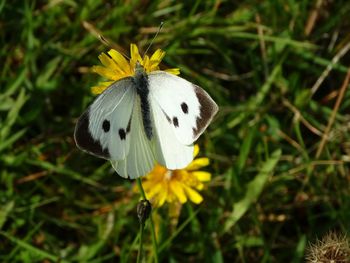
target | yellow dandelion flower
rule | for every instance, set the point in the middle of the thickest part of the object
(177, 186)
(115, 66)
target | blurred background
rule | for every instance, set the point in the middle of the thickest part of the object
(279, 147)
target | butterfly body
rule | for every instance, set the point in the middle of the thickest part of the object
(144, 119)
(141, 83)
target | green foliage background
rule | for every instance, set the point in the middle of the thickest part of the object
(270, 194)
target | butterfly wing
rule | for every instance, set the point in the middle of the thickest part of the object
(181, 112)
(168, 150)
(140, 159)
(104, 128)
(112, 128)
(187, 107)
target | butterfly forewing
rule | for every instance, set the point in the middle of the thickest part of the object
(104, 129)
(187, 107)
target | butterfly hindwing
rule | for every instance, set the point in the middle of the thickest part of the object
(140, 159)
(169, 151)
(104, 129)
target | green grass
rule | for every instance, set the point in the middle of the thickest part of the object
(270, 194)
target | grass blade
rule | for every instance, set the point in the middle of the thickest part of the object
(254, 189)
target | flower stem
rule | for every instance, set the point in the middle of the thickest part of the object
(139, 184)
(154, 239)
(140, 252)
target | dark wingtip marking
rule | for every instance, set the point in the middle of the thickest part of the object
(176, 122)
(106, 125)
(208, 109)
(84, 139)
(184, 107)
(122, 134)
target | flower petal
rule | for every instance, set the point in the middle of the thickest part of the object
(153, 67)
(157, 174)
(162, 196)
(135, 56)
(174, 71)
(134, 52)
(98, 89)
(153, 192)
(146, 64)
(195, 150)
(101, 87)
(199, 186)
(119, 59)
(198, 163)
(105, 72)
(158, 55)
(193, 195)
(202, 176)
(178, 190)
(106, 60)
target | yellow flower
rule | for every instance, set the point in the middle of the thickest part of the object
(176, 186)
(116, 67)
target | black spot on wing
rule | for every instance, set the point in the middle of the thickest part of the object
(106, 125)
(176, 122)
(122, 134)
(208, 109)
(84, 139)
(184, 107)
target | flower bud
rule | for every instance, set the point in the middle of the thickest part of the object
(144, 209)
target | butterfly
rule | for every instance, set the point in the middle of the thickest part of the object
(143, 119)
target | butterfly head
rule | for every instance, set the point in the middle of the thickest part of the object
(139, 69)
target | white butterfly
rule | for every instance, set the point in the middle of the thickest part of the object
(147, 118)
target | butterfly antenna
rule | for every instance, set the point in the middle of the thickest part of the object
(104, 40)
(150, 44)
